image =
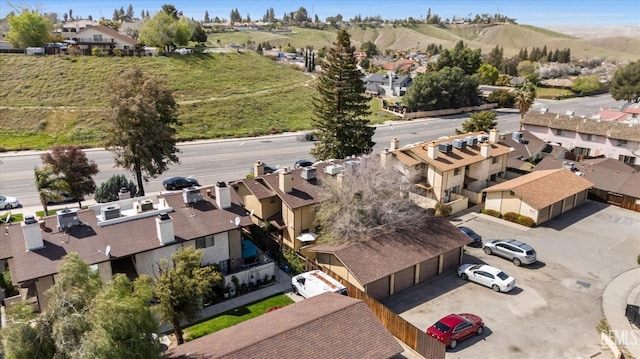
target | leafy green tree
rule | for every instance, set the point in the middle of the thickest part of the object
(48, 185)
(199, 35)
(165, 31)
(170, 10)
(108, 190)
(340, 106)
(461, 56)
(374, 195)
(503, 97)
(525, 98)
(181, 285)
(143, 117)
(71, 165)
(625, 84)
(29, 29)
(495, 57)
(527, 69)
(487, 75)
(586, 84)
(447, 88)
(27, 335)
(369, 48)
(479, 121)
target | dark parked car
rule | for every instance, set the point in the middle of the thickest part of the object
(307, 136)
(174, 183)
(302, 163)
(63, 197)
(477, 239)
(456, 327)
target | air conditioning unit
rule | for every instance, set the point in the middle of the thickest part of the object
(67, 218)
(483, 138)
(517, 136)
(144, 205)
(191, 195)
(445, 147)
(308, 173)
(333, 169)
(471, 141)
(460, 144)
(110, 212)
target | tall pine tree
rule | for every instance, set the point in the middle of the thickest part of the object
(340, 105)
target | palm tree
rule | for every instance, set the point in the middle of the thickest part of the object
(525, 98)
(48, 185)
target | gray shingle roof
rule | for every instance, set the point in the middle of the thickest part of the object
(609, 129)
(325, 326)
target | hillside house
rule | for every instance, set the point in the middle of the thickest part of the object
(131, 235)
(104, 38)
(388, 84)
(587, 137)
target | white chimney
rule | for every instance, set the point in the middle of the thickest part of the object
(32, 234)
(285, 180)
(258, 169)
(164, 227)
(394, 144)
(385, 157)
(124, 193)
(432, 151)
(493, 135)
(223, 195)
(484, 149)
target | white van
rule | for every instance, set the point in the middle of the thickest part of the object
(316, 282)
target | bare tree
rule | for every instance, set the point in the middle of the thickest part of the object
(364, 197)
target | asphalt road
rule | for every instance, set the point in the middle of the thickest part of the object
(227, 160)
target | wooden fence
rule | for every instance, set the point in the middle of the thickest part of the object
(616, 199)
(413, 337)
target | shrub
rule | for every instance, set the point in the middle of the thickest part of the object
(503, 97)
(526, 221)
(511, 217)
(491, 212)
(109, 189)
(443, 210)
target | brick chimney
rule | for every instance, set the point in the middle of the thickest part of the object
(285, 180)
(223, 195)
(395, 144)
(258, 169)
(432, 150)
(484, 149)
(493, 135)
(164, 228)
(32, 235)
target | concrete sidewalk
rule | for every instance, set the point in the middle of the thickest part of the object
(622, 290)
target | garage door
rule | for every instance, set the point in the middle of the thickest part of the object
(543, 214)
(581, 198)
(556, 209)
(379, 289)
(428, 269)
(404, 279)
(568, 203)
(451, 260)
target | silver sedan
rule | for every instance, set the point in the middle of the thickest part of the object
(9, 202)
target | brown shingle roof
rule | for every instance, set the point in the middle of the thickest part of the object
(543, 188)
(447, 161)
(609, 129)
(395, 249)
(605, 173)
(325, 326)
(113, 33)
(127, 238)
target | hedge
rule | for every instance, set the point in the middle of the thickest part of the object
(491, 212)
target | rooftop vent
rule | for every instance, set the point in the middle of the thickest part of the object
(144, 206)
(482, 138)
(191, 195)
(333, 169)
(67, 218)
(518, 136)
(460, 144)
(309, 173)
(110, 212)
(445, 147)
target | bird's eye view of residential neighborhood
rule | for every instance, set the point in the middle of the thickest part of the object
(329, 179)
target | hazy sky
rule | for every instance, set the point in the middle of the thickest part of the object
(530, 12)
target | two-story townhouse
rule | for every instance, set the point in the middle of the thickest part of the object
(587, 137)
(104, 38)
(388, 84)
(130, 236)
(453, 170)
(526, 151)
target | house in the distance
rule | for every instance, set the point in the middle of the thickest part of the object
(388, 84)
(105, 39)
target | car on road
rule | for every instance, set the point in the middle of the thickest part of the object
(511, 249)
(302, 163)
(63, 197)
(307, 136)
(488, 276)
(456, 327)
(477, 239)
(9, 202)
(175, 183)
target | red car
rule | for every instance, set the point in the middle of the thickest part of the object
(456, 327)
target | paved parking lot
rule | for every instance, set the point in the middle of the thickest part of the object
(556, 305)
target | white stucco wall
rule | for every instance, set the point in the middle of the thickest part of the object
(218, 252)
(146, 262)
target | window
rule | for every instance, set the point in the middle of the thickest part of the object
(495, 160)
(621, 143)
(204, 242)
(456, 171)
(559, 132)
(592, 138)
(630, 160)
(97, 38)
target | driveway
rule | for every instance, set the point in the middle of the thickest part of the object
(556, 305)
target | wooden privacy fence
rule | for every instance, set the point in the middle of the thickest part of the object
(413, 337)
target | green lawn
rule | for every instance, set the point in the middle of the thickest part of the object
(235, 316)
